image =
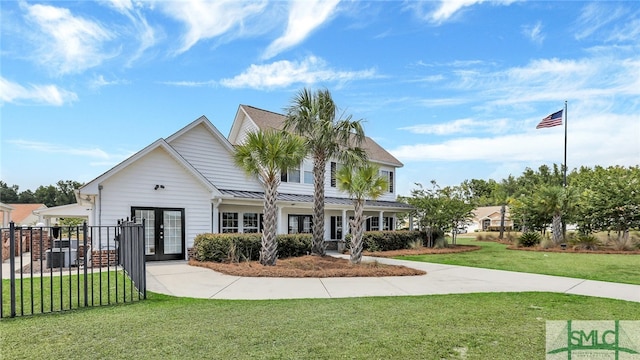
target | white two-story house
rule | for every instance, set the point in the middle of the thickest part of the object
(187, 184)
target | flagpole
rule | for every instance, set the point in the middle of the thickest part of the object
(564, 183)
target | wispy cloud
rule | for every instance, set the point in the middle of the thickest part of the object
(534, 32)
(304, 17)
(440, 11)
(594, 16)
(283, 73)
(460, 126)
(66, 43)
(12, 92)
(61, 149)
(100, 81)
(209, 19)
(145, 34)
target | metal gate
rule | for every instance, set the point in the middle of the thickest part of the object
(57, 268)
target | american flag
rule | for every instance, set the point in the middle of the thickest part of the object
(552, 120)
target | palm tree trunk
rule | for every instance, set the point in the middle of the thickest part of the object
(269, 249)
(502, 212)
(318, 247)
(557, 228)
(357, 232)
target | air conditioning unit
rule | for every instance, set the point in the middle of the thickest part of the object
(61, 257)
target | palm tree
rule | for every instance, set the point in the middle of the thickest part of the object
(361, 183)
(266, 154)
(555, 201)
(314, 116)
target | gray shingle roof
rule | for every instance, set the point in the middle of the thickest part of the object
(269, 120)
(309, 199)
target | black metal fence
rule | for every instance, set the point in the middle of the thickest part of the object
(57, 268)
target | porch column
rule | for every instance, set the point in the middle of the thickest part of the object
(345, 224)
(381, 221)
(215, 221)
(410, 222)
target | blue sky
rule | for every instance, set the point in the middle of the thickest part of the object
(453, 89)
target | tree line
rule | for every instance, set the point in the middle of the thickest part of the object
(61, 193)
(595, 199)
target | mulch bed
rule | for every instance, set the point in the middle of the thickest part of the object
(328, 266)
(309, 266)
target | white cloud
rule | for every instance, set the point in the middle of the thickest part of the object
(534, 32)
(142, 30)
(66, 43)
(618, 145)
(40, 94)
(99, 81)
(284, 73)
(594, 16)
(447, 9)
(304, 17)
(460, 126)
(61, 149)
(209, 19)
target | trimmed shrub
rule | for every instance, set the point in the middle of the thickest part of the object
(529, 239)
(389, 240)
(291, 245)
(246, 247)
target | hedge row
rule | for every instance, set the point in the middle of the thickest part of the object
(246, 247)
(388, 240)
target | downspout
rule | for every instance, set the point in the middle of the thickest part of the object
(99, 205)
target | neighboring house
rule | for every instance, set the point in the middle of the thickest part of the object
(188, 184)
(21, 214)
(487, 218)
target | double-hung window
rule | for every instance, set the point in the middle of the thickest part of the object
(229, 223)
(387, 174)
(250, 223)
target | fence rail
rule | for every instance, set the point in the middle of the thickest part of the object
(57, 268)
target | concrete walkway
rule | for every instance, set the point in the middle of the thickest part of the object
(177, 278)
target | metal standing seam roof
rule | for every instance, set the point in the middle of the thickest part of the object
(265, 119)
(309, 199)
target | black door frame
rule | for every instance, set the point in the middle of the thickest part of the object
(159, 254)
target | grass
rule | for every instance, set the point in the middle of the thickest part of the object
(605, 267)
(472, 326)
(67, 292)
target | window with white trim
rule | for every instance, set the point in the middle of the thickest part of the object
(307, 167)
(388, 175)
(250, 223)
(229, 222)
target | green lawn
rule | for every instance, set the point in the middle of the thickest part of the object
(606, 267)
(67, 292)
(480, 326)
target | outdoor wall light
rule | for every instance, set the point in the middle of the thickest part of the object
(158, 187)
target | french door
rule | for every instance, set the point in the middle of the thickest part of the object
(164, 232)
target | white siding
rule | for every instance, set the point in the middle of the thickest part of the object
(247, 127)
(205, 152)
(134, 186)
(329, 191)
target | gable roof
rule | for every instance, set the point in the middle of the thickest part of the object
(265, 119)
(202, 120)
(20, 212)
(92, 186)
